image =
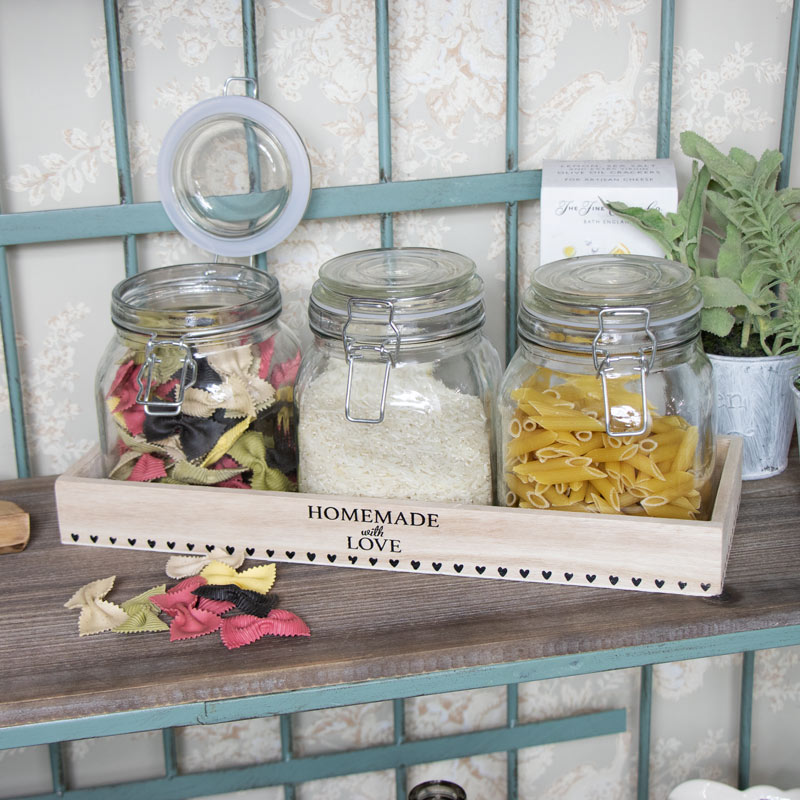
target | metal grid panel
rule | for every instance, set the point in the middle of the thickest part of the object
(383, 198)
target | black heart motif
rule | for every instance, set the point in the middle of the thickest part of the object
(636, 581)
(152, 543)
(502, 571)
(612, 579)
(546, 574)
(659, 582)
(311, 556)
(394, 562)
(189, 546)
(705, 586)
(591, 578)
(480, 570)
(270, 553)
(415, 564)
(524, 572)
(171, 545)
(458, 567)
(112, 539)
(682, 585)
(75, 537)
(131, 542)
(353, 559)
(249, 550)
(373, 561)
(231, 549)
(568, 576)
(436, 565)
(331, 557)
(210, 547)
(290, 554)
(93, 538)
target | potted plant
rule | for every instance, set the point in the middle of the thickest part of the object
(734, 227)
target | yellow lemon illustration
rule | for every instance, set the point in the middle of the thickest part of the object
(569, 251)
(620, 249)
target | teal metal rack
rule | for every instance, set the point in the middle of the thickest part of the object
(382, 198)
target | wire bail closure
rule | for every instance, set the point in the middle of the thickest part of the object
(387, 351)
(144, 378)
(604, 363)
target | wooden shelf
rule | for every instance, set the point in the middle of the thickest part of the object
(366, 625)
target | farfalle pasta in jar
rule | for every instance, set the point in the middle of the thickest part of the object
(606, 405)
(196, 386)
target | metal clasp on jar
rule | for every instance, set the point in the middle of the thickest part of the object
(640, 363)
(144, 379)
(387, 350)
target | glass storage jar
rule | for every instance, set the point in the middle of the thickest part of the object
(395, 395)
(437, 790)
(606, 405)
(196, 386)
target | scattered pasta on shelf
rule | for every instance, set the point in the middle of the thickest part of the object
(560, 456)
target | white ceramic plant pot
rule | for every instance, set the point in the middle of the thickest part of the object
(754, 400)
(711, 790)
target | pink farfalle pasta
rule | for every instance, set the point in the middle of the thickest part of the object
(180, 594)
(189, 623)
(148, 468)
(244, 629)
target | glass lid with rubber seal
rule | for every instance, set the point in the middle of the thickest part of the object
(234, 176)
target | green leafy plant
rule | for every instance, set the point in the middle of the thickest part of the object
(751, 287)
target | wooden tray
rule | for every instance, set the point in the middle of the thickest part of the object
(618, 552)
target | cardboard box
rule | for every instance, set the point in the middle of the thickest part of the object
(574, 221)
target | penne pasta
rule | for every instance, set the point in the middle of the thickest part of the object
(529, 441)
(559, 455)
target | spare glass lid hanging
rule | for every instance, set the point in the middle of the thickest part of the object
(233, 174)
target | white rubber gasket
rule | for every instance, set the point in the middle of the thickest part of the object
(267, 118)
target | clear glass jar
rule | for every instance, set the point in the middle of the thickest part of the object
(437, 790)
(606, 405)
(395, 397)
(196, 386)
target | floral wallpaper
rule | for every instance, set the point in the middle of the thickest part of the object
(588, 89)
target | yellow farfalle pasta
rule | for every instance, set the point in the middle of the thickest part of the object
(560, 456)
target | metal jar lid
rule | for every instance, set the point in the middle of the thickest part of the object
(571, 302)
(233, 175)
(425, 294)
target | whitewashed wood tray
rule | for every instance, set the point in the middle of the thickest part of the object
(615, 552)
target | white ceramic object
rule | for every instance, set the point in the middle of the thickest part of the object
(711, 790)
(796, 396)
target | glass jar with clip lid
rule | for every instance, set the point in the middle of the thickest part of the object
(395, 396)
(606, 405)
(196, 386)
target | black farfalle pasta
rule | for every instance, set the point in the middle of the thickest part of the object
(245, 600)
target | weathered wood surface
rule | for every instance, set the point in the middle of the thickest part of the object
(366, 625)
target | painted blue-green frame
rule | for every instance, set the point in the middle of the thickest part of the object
(383, 198)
